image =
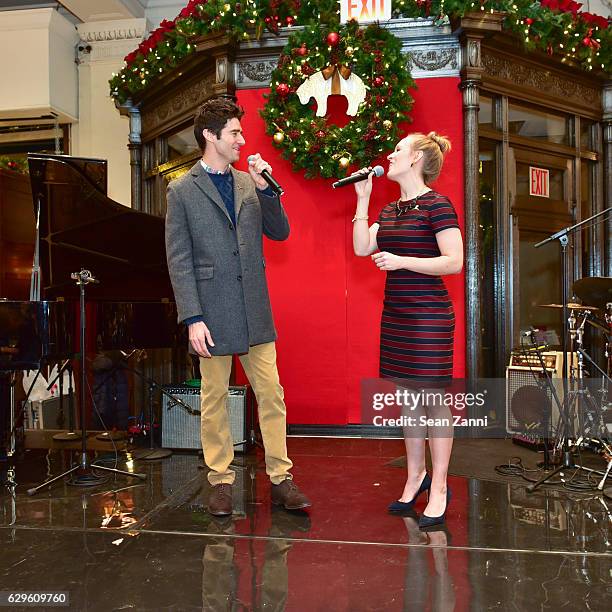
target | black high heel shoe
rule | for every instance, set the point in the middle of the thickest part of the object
(398, 506)
(426, 522)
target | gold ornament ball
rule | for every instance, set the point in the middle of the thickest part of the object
(344, 162)
(227, 7)
(387, 124)
(279, 137)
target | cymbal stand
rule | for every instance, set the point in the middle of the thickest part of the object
(562, 237)
(86, 475)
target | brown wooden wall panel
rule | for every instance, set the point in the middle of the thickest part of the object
(17, 231)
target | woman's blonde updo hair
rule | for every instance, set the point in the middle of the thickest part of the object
(434, 148)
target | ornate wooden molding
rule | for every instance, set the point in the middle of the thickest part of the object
(503, 68)
(174, 98)
(183, 101)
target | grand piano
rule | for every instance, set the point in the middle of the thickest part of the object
(81, 227)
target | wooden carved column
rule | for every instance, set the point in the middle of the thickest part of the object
(607, 153)
(472, 30)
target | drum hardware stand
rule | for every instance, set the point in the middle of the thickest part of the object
(562, 237)
(83, 278)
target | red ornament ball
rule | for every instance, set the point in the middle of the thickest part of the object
(378, 81)
(282, 89)
(320, 134)
(289, 20)
(333, 38)
(529, 21)
(303, 50)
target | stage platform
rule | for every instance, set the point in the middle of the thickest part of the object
(131, 545)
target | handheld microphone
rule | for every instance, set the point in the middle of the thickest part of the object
(355, 178)
(278, 190)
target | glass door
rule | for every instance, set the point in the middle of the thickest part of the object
(541, 203)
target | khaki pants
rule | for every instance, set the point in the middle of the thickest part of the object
(260, 367)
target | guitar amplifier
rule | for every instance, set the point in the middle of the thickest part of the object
(181, 429)
(529, 400)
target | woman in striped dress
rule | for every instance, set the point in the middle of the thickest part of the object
(418, 241)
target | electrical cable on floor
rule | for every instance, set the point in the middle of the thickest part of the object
(576, 482)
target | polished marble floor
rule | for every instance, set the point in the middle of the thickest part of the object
(151, 545)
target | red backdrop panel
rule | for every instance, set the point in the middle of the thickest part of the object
(327, 302)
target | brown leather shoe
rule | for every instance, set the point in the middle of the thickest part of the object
(220, 500)
(288, 495)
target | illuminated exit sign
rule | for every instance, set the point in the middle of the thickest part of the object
(539, 182)
(365, 11)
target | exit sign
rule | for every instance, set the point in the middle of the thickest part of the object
(365, 11)
(539, 182)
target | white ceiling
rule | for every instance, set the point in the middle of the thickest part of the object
(109, 10)
(84, 10)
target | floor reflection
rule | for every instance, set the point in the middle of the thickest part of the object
(153, 545)
(220, 569)
(429, 583)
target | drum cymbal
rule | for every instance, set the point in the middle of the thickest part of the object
(595, 290)
(570, 306)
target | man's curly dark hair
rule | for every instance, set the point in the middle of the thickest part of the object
(213, 115)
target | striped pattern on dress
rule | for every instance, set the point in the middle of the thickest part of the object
(418, 322)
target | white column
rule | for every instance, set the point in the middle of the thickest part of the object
(102, 132)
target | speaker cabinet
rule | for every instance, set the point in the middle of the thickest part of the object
(529, 400)
(181, 429)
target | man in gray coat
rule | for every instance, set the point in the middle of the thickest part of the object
(217, 217)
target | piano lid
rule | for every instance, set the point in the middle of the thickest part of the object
(80, 227)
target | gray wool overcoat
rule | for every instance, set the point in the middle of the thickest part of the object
(218, 270)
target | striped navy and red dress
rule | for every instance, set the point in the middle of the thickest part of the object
(418, 321)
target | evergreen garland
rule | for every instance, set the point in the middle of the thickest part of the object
(553, 26)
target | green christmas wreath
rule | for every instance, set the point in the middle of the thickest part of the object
(373, 56)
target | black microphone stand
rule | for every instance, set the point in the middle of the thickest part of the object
(85, 478)
(562, 236)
